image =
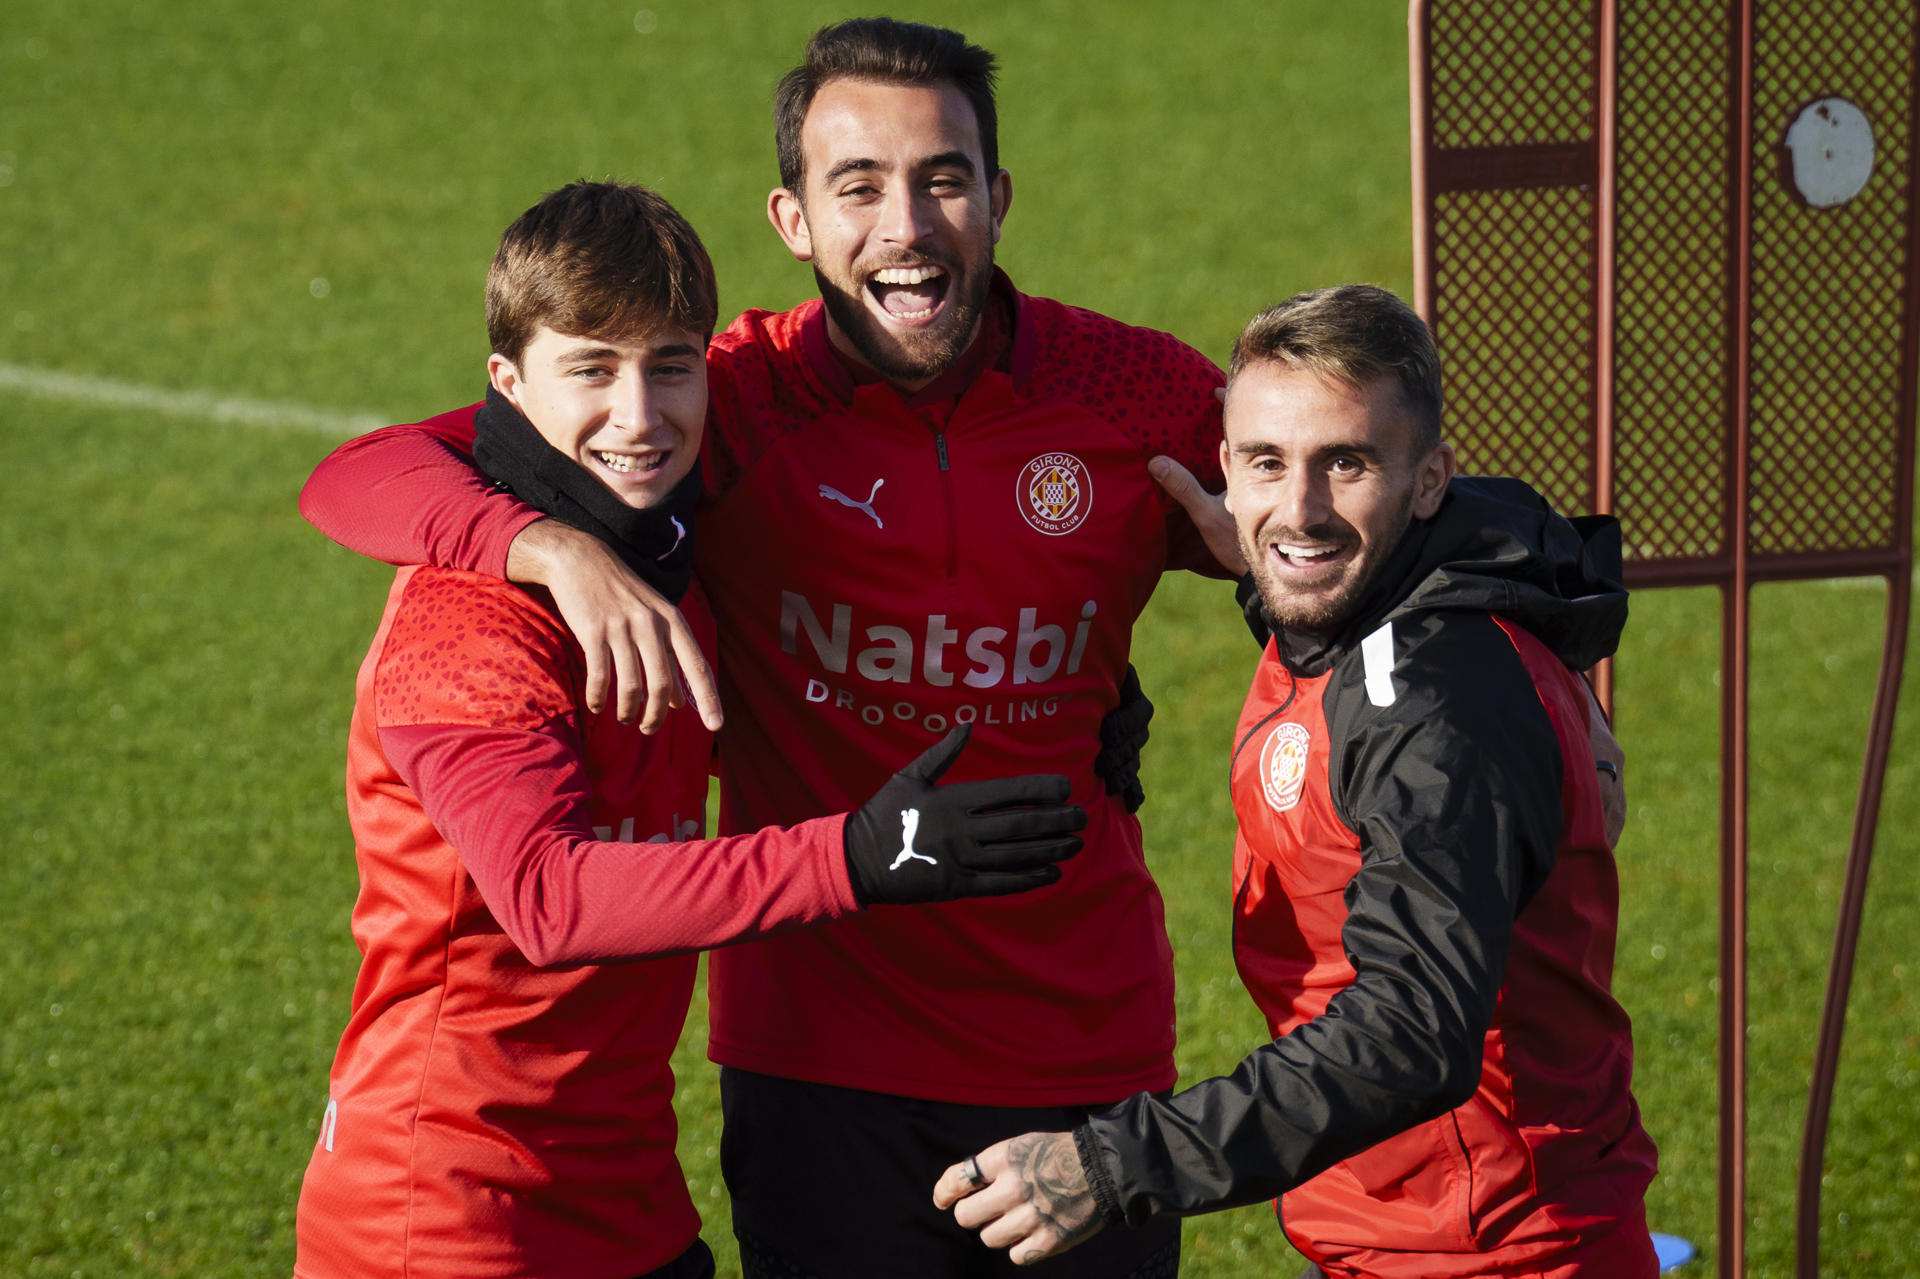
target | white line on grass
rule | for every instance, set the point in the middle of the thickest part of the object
(206, 406)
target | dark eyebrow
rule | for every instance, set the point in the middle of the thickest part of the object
(842, 169)
(949, 160)
(678, 350)
(586, 354)
(863, 164)
(1255, 448)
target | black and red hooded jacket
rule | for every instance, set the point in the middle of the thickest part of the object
(1424, 908)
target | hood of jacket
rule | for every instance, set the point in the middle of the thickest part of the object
(1494, 546)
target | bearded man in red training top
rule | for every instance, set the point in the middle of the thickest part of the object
(927, 503)
(1425, 898)
(501, 1102)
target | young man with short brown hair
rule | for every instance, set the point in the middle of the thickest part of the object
(533, 885)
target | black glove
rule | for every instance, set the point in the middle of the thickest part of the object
(1122, 735)
(918, 842)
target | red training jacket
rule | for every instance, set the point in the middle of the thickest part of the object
(501, 1102)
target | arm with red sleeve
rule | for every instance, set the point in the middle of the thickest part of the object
(476, 712)
(411, 495)
(565, 897)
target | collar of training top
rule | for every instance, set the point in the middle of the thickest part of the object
(1494, 546)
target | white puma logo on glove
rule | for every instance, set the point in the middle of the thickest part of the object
(909, 823)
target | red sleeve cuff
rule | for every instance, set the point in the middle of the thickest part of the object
(499, 543)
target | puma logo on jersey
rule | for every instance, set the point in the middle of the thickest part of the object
(909, 824)
(833, 494)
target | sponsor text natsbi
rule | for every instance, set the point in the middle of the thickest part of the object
(1031, 652)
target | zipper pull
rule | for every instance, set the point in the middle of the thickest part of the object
(940, 447)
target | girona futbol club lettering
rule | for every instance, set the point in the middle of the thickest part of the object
(1054, 493)
(938, 655)
(1283, 765)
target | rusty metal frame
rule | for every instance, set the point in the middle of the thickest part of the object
(1886, 701)
(1735, 685)
(1590, 164)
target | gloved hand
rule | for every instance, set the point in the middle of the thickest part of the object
(915, 841)
(1123, 732)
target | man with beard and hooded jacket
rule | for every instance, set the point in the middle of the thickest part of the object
(1425, 896)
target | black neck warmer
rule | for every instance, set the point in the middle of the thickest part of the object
(656, 543)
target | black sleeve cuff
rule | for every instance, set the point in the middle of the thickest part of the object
(1093, 1159)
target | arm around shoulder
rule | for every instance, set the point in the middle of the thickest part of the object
(411, 495)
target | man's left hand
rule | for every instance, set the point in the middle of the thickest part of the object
(1208, 511)
(1032, 1197)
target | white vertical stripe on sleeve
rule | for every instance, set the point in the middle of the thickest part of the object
(1376, 653)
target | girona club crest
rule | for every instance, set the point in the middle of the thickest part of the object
(1283, 765)
(1054, 493)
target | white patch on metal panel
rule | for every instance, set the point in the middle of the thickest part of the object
(1829, 150)
(1376, 654)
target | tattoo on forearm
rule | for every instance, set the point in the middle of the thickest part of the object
(1053, 1181)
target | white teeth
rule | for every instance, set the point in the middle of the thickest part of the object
(908, 275)
(624, 464)
(911, 315)
(1306, 552)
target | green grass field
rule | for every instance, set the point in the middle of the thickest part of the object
(240, 199)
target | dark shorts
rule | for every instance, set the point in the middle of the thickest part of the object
(695, 1263)
(834, 1183)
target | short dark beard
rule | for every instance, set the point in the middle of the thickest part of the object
(882, 352)
(1324, 617)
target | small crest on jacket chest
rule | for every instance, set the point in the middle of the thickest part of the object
(1283, 765)
(1054, 493)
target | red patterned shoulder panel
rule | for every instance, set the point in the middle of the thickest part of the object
(760, 388)
(473, 650)
(1149, 384)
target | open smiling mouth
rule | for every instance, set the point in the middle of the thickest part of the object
(1308, 559)
(644, 463)
(909, 294)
